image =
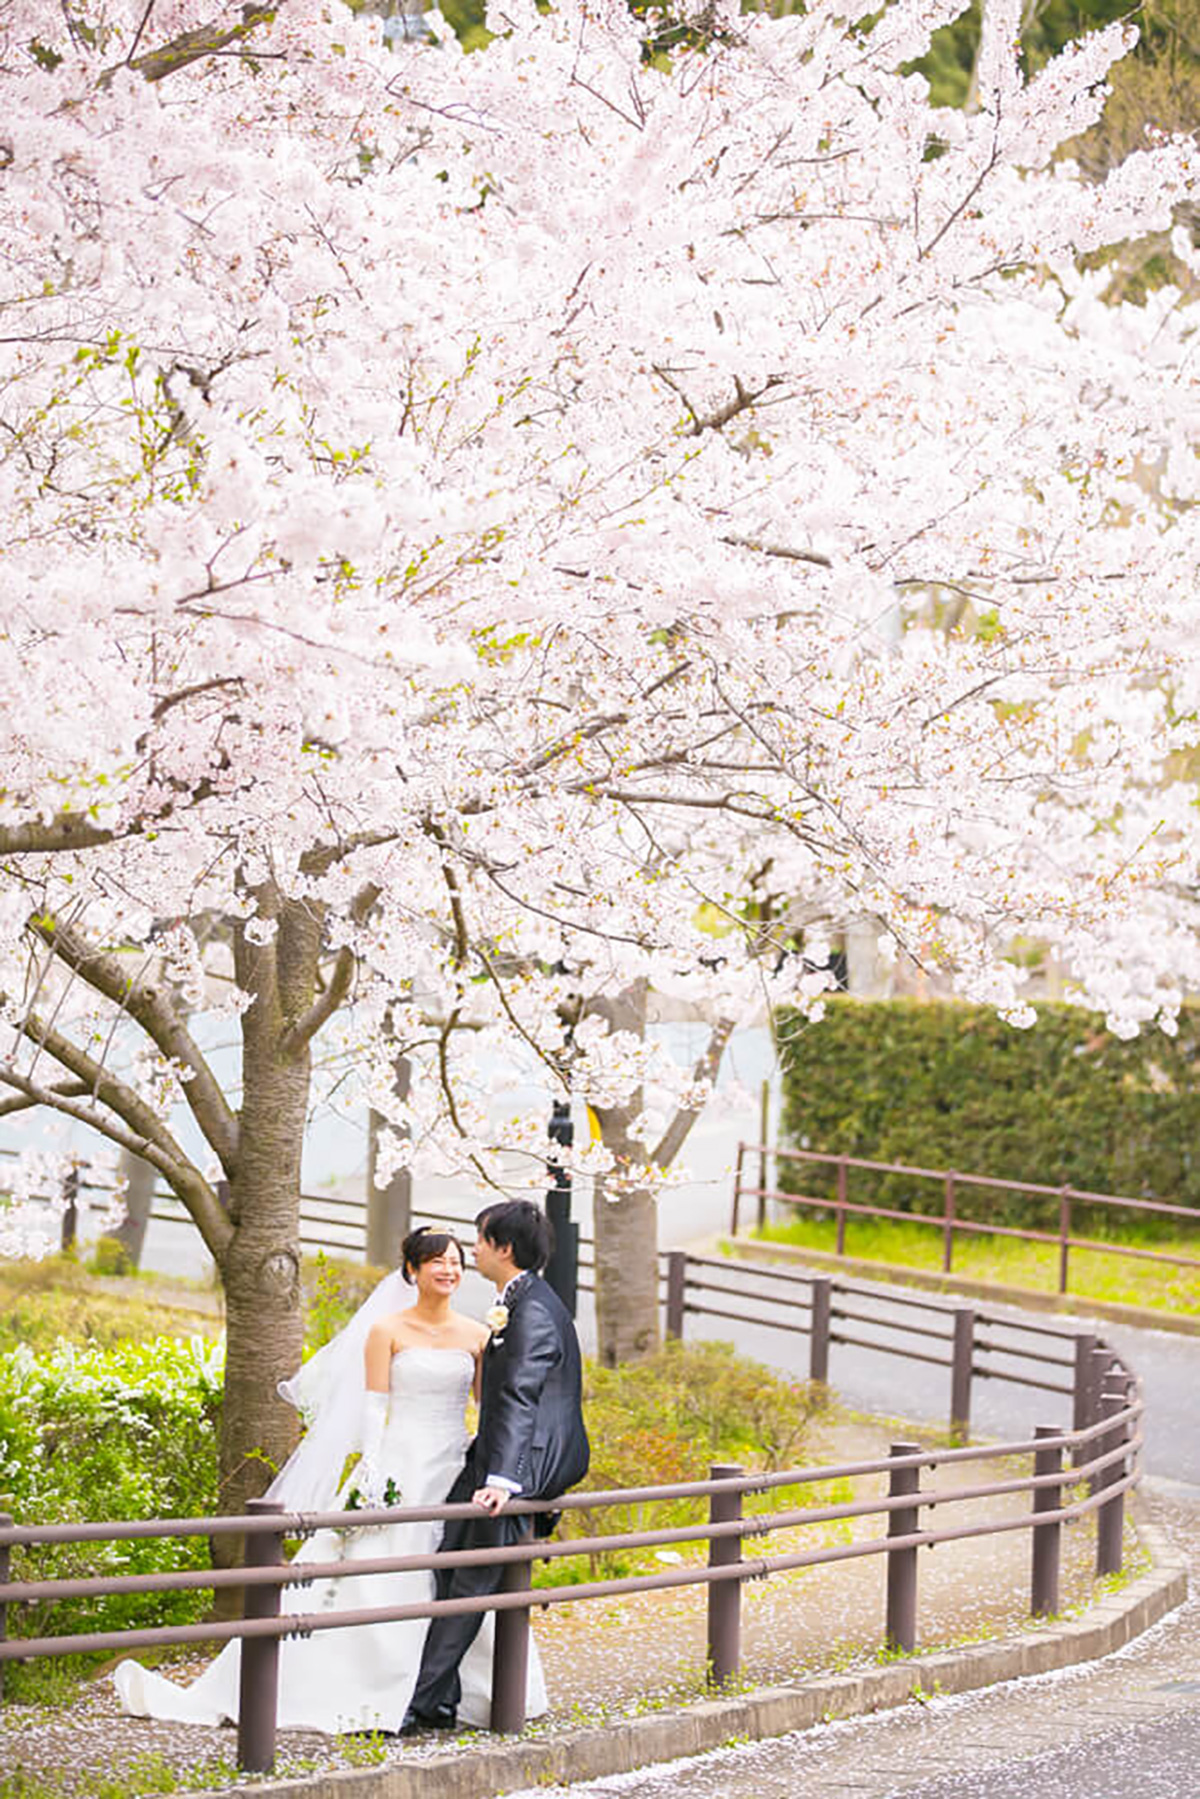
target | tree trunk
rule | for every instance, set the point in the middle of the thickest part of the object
(130, 1235)
(627, 1321)
(260, 1268)
(389, 1208)
(625, 1225)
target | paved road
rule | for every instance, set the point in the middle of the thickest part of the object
(1128, 1726)
(1169, 1365)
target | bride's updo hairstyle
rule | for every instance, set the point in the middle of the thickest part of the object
(423, 1245)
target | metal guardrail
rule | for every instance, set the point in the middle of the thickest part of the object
(86, 1190)
(1103, 1443)
(947, 1220)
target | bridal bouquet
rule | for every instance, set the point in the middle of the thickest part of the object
(357, 1501)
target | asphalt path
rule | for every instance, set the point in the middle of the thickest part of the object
(1127, 1727)
(1155, 1761)
(917, 1394)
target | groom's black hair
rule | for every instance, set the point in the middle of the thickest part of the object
(519, 1225)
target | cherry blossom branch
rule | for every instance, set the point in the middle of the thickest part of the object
(784, 551)
(703, 802)
(305, 1028)
(105, 1088)
(556, 918)
(462, 948)
(593, 728)
(518, 1027)
(69, 831)
(742, 401)
(23, 1103)
(320, 861)
(170, 700)
(993, 159)
(184, 1178)
(192, 46)
(156, 1014)
(677, 1132)
(142, 24)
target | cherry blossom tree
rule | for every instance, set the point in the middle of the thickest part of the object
(480, 532)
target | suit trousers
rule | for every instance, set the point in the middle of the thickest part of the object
(449, 1638)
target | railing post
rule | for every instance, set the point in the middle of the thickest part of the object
(258, 1692)
(510, 1652)
(842, 1186)
(1098, 1370)
(724, 1596)
(1110, 1518)
(5, 1563)
(676, 1291)
(948, 1225)
(821, 1288)
(1064, 1235)
(737, 1190)
(1047, 1538)
(961, 1368)
(70, 1219)
(902, 1563)
(1082, 1406)
(764, 1126)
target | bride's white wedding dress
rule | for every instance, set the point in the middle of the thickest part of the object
(361, 1678)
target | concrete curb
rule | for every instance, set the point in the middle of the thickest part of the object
(487, 1771)
(932, 1281)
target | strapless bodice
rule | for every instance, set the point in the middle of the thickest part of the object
(426, 1435)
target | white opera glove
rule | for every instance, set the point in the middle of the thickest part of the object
(370, 1481)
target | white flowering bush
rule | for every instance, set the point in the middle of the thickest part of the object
(123, 1432)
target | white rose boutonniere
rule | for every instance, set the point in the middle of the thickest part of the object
(496, 1318)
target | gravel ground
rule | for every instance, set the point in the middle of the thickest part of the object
(602, 1659)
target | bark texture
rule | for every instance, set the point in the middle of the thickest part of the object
(389, 1207)
(628, 1321)
(626, 1221)
(260, 1267)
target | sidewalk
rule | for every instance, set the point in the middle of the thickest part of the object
(1126, 1725)
(612, 1663)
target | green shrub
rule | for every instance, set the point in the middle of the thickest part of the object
(662, 1422)
(941, 1085)
(331, 1293)
(114, 1433)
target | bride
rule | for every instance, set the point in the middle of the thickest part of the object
(421, 1363)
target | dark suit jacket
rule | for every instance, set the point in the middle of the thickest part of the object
(531, 1426)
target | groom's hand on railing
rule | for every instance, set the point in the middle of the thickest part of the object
(491, 1499)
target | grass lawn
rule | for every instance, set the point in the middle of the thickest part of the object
(60, 1297)
(1092, 1274)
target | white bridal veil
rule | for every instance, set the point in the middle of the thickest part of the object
(328, 1393)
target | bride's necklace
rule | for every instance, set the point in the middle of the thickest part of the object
(433, 1330)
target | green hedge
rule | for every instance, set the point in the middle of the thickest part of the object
(127, 1431)
(942, 1085)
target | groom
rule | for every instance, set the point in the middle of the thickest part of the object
(531, 1443)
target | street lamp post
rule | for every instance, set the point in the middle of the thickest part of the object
(562, 1270)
